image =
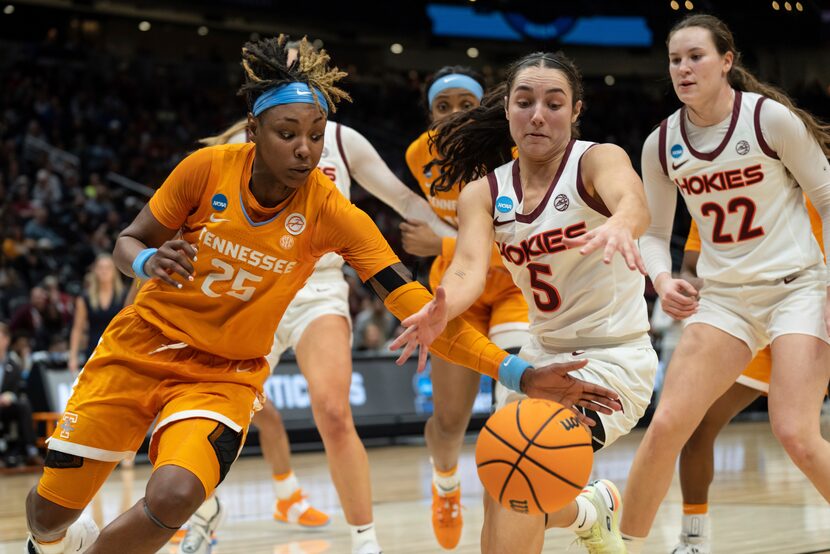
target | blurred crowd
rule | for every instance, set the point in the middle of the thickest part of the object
(74, 127)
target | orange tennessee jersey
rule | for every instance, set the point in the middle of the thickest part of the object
(443, 203)
(693, 240)
(247, 272)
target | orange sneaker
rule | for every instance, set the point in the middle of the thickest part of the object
(446, 518)
(296, 509)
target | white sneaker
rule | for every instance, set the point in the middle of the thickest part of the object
(368, 548)
(202, 524)
(604, 535)
(692, 545)
(79, 537)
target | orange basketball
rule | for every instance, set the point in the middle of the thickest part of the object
(533, 456)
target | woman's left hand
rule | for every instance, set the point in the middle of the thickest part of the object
(422, 328)
(612, 237)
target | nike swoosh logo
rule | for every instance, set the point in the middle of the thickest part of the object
(584, 517)
(215, 219)
(363, 530)
(240, 370)
(577, 353)
(301, 93)
(790, 279)
(678, 166)
(80, 546)
(498, 222)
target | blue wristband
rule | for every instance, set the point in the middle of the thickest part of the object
(140, 260)
(511, 371)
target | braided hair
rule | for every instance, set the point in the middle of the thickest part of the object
(266, 66)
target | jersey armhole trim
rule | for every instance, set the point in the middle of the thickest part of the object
(595, 204)
(494, 187)
(661, 147)
(759, 135)
(341, 149)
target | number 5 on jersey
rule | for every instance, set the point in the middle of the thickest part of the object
(545, 295)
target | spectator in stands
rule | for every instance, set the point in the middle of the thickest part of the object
(62, 302)
(37, 319)
(375, 315)
(104, 297)
(14, 405)
(39, 230)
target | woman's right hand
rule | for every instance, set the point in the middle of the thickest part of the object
(174, 256)
(678, 298)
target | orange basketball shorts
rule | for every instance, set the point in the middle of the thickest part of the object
(757, 373)
(135, 376)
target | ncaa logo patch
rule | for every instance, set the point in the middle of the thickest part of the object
(287, 242)
(676, 151)
(504, 204)
(219, 202)
(561, 202)
(742, 148)
(295, 223)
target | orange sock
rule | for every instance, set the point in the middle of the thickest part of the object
(695, 509)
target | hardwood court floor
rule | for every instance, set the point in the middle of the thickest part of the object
(761, 504)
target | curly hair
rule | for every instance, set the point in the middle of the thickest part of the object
(266, 66)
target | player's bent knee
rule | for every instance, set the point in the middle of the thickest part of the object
(45, 518)
(795, 441)
(170, 501)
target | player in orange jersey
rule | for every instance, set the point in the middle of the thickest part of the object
(190, 352)
(500, 312)
(697, 460)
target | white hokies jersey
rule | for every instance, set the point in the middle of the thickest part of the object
(750, 212)
(575, 300)
(333, 163)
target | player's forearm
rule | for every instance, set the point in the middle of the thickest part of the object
(460, 343)
(632, 213)
(463, 285)
(125, 252)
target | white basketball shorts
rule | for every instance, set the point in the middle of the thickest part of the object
(325, 293)
(758, 313)
(628, 368)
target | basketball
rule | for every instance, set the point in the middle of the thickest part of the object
(533, 456)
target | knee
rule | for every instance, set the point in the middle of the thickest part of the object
(666, 429)
(796, 441)
(47, 520)
(174, 501)
(449, 421)
(333, 417)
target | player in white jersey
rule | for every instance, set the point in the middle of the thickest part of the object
(559, 214)
(317, 325)
(740, 161)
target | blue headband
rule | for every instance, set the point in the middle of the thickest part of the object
(292, 93)
(454, 80)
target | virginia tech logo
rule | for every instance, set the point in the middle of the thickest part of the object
(742, 148)
(66, 425)
(561, 202)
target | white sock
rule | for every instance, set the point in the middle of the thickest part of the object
(362, 535)
(586, 515)
(633, 545)
(445, 482)
(696, 525)
(285, 485)
(50, 548)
